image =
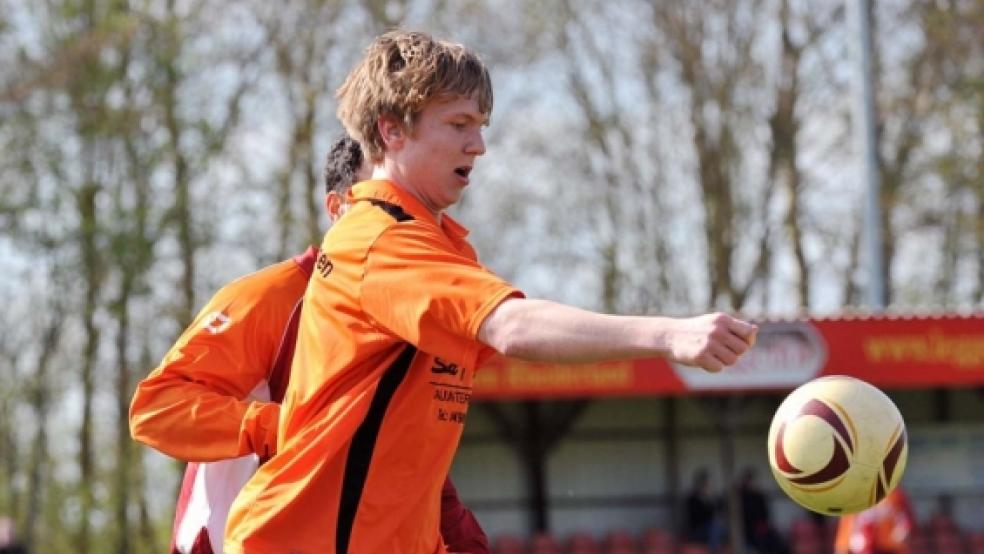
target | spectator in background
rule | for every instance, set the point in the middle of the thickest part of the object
(882, 529)
(759, 532)
(702, 522)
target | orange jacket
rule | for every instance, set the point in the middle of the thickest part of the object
(243, 340)
(369, 425)
(213, 380)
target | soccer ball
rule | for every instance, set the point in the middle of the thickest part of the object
(837, 445)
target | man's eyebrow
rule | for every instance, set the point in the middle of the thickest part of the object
(480, 119)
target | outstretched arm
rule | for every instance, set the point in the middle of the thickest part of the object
(541, 330)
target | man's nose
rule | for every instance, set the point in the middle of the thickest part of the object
(476, 144)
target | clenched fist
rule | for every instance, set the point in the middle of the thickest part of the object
(710, 341)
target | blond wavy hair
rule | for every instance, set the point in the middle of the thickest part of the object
(399, 74)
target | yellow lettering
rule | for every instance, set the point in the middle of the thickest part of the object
(964, 351)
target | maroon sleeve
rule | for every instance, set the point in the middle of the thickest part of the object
(459, 528)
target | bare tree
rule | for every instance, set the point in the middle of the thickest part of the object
(912, 93)
(172, 34)
(712, 76)
(11, 393)
(785, 125)
(955, 98)
(302, 36)
(87, 92)
(132, 255)
(40, 403)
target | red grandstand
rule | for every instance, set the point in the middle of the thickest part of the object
(932, 365)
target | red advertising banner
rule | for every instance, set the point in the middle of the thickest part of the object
(887, 351)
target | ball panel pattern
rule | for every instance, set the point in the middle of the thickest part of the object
(839, 461)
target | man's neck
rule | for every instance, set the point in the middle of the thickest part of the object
(382, 173)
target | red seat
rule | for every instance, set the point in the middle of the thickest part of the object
(582, 543)
(694, 548)
(948, 540)
(810, 547)
(544, 543)
(657, 541)
(806, 529)
(919, 544)
(620, 538)
(620, 541)
(940, 523)
(509, 544)
(975, 543)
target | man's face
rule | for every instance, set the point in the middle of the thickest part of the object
(435, 160)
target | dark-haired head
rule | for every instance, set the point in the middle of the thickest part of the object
(343, 165)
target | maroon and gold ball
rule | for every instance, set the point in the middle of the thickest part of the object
(837, 445)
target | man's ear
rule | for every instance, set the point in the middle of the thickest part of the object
(333, 206)
(392, 132)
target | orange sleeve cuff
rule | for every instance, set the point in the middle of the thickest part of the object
(259, 430)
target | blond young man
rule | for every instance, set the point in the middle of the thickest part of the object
(214, 399)
(369, 426)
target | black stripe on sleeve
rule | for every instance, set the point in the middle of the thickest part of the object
(363, 442)
(392, 209)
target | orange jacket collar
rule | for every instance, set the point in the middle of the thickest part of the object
(389, 191)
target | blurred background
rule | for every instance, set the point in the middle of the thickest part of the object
(643, 157)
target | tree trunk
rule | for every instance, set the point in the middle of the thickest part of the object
(978, 296)
(10, 462)
(313, 188)
(852, 293)
(181, 211)
(124, 444)
(39, 400)
(783, 166)
(285, 215)
(92, 272)
(147, 532)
